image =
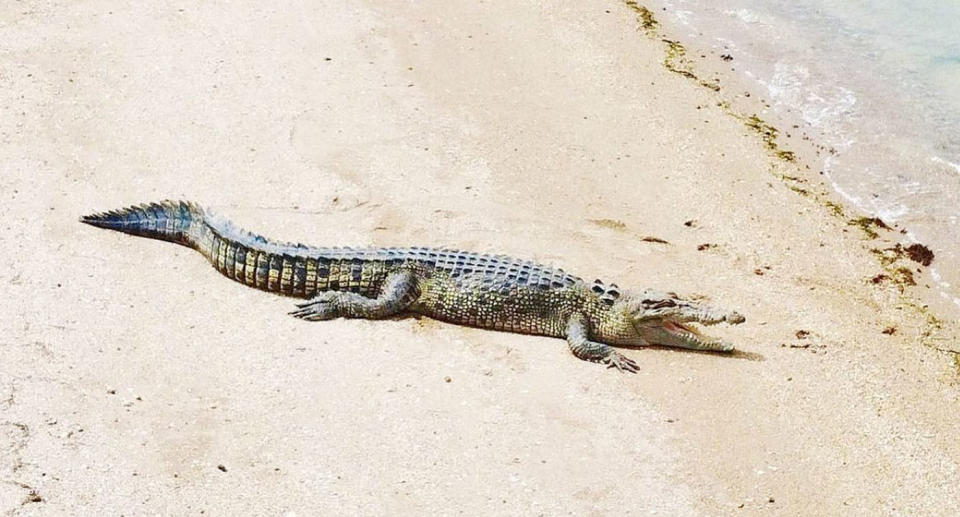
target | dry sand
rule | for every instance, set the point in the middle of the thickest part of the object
(135, 380)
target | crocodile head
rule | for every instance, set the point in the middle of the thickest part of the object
(666, 320)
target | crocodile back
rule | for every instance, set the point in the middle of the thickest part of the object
(457, 265)
(302, 271)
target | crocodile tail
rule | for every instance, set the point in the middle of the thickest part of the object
(174, 221)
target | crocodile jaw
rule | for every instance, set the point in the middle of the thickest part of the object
(675, 334)
(688, 334)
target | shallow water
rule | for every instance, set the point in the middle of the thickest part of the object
(878, 82)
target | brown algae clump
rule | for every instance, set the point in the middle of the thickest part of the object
(644, 17)
(915, 252)
(675, 61)
(868, 225)
(655, 240)
(890, 259)
(919, 253)
(613, 224)
(786, 156)
(903, 276)
(835, 208)
(793, 183)
(768, 134)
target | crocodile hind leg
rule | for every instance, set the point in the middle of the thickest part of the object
(582, 347)
(399, 290)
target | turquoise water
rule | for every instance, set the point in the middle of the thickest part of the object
(912, 47)
(878, 81)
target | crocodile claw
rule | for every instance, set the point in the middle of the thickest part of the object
(318, 309)
(620, 362)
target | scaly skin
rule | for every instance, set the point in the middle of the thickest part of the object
(478, 290)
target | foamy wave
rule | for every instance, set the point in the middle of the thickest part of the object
(819, 105)
(954, 166)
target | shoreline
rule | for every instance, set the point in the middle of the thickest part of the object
(896, 267)
(137, 380)
(819, 153)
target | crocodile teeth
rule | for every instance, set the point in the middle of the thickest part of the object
(693, 335)
(680, 328)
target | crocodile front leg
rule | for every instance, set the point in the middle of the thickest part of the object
(399, 290)
(582, 347)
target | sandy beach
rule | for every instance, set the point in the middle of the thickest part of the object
(135, 380)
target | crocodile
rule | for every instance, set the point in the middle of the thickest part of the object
(473, 289)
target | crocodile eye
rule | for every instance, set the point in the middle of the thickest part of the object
(659, 304)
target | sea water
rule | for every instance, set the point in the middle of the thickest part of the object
(876, 82)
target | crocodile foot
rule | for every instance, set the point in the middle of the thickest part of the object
(318, 309)
(620, 362)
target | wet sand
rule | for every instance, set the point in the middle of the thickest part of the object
(136, 380)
